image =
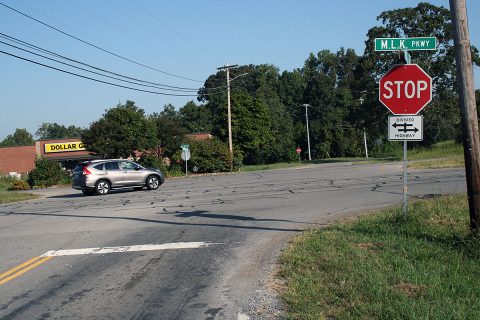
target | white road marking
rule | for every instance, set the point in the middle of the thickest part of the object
(145, 247)
(242, 316)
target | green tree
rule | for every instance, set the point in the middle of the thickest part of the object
(251, 124)
(423, 20)
(120, 132)
(256, 108)
(290, 90)
(168, 131)
(195, 118)
(57, 131)
(21, 137)
(169, 112)
(335, 125)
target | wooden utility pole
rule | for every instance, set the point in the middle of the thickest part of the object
(468, 109)
(229, 112)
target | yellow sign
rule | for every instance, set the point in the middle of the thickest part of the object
(64, 146)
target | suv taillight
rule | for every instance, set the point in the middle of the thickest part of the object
(85, 171)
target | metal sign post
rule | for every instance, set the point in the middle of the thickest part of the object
(186, 156)
(405, 90)
(405, 188)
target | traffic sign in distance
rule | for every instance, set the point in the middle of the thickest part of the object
(405, 89)
(405, 128)
(298, 150)
(186, 155)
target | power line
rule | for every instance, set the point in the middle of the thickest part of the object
(31, 46)
(194, 45)
(96, 80)
(97, 73)
(95, 46)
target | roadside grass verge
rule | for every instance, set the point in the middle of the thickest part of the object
(282, 165)
(439, 150)
(385, 266)
(12, 196)
(451, 162)
(446, 154)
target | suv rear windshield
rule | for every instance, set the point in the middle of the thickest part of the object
(78, 168)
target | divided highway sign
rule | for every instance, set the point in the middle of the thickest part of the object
(405, 128)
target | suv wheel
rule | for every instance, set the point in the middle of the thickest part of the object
(102, 187)
(153, 182)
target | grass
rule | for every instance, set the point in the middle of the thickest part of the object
(280, 165)
(12, 196)
(385, 266)
(447, 154)
(439, 150)
(451, 162)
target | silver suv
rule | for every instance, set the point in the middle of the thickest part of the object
(100, 176)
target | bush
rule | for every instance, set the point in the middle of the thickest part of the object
(151, 161)
(46, 173)
(208, 156)
(19, 185)
(155, 162)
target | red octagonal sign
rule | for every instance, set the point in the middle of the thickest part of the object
(405, 89)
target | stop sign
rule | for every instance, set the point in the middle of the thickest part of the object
(405, 89)
(298, 150)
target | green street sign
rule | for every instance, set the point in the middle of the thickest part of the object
(395, 44)
(185, 146)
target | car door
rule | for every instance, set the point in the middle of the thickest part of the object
(114, 174)
(133, 174)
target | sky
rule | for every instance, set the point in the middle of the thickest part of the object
(175, 43)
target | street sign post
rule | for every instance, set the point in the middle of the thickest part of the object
(411, 44)
(185, 156)
(405, 128)
(405, 89)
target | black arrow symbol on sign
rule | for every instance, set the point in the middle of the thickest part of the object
(405, 125)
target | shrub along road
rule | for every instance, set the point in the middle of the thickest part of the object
(201, 247)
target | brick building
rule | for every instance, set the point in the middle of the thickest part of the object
(21, 159)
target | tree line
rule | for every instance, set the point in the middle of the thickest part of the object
(268, 113)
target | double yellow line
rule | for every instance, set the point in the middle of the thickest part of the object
(22, 268)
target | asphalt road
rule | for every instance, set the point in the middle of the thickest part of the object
(233, 226)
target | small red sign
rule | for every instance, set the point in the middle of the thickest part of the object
(405, 89)
(298, 150)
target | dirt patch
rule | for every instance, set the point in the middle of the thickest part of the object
(371, 246)
(410, 289)
(275, 282)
